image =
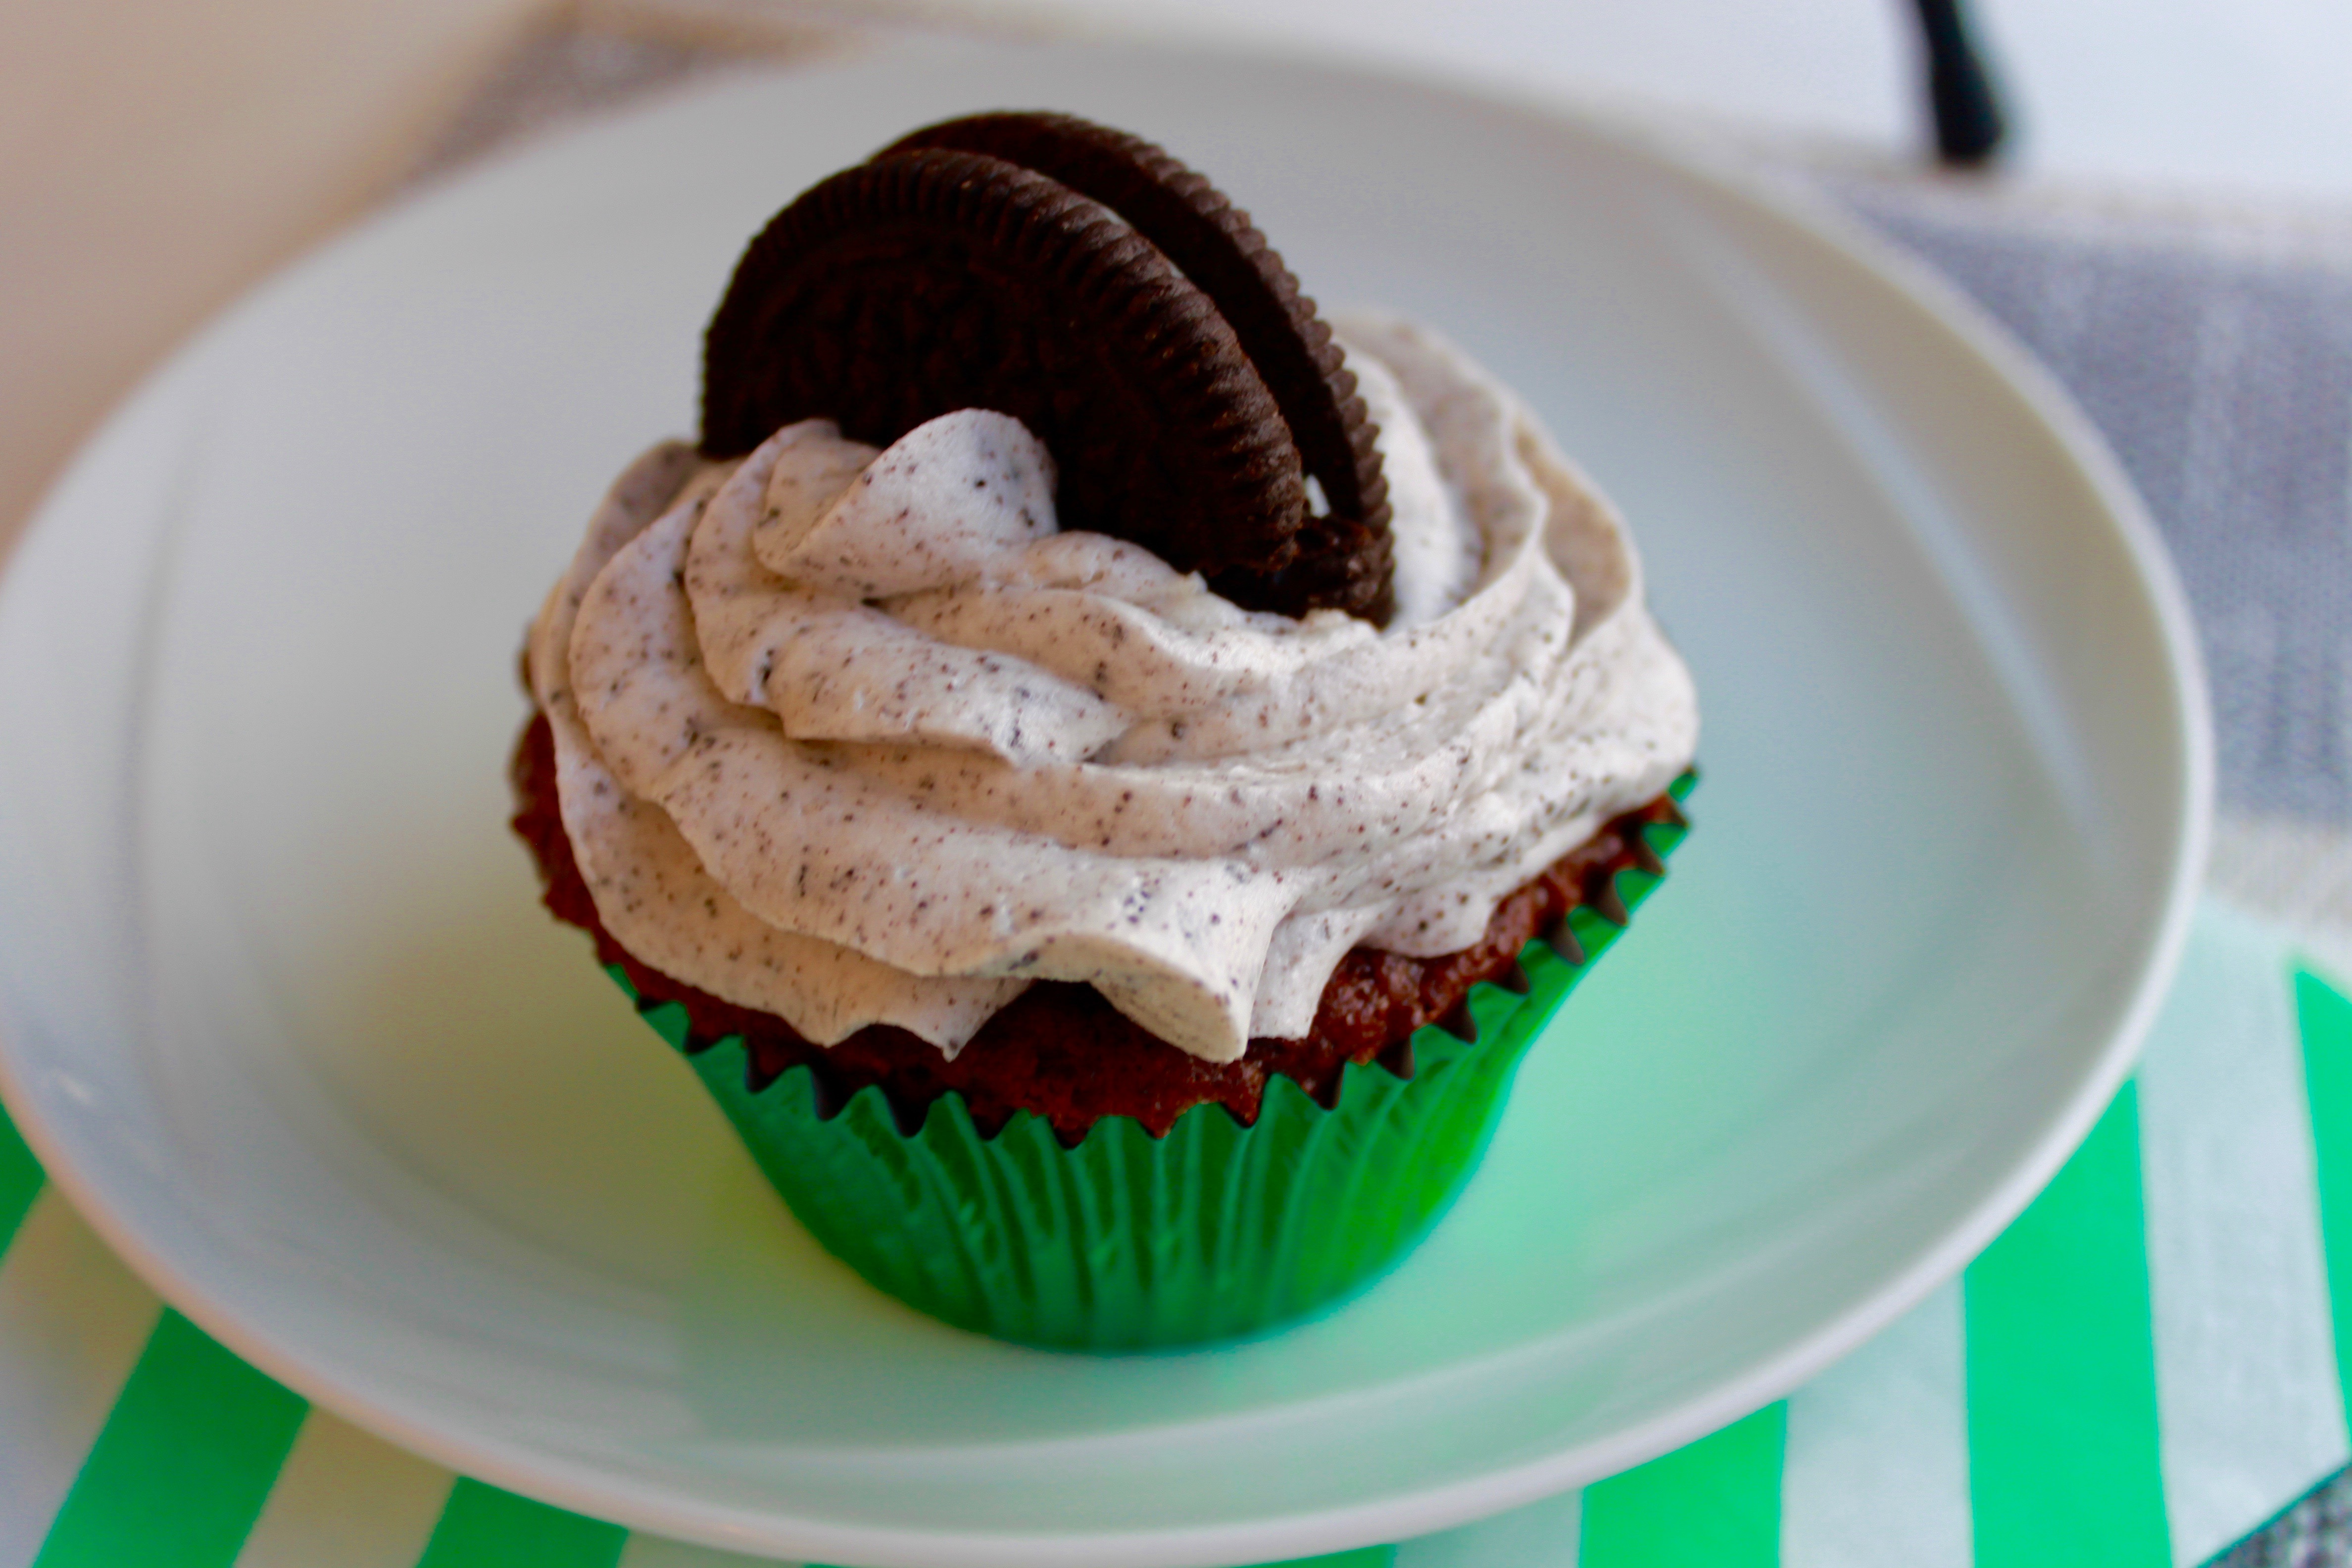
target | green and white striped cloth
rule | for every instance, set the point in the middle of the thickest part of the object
(2141, 1370)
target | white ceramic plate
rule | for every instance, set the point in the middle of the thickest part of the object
(280, 1010)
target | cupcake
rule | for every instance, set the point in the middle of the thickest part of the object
(1103, 776)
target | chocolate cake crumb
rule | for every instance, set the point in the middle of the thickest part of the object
(1060, 1050)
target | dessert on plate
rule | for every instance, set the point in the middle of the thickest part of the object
(1103, 775)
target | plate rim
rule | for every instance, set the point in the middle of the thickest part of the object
(1813, 218)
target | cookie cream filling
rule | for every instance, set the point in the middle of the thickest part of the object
(858, 737)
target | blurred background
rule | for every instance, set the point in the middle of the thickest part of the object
(155, 158)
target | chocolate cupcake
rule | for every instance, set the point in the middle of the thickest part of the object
(1102, 777)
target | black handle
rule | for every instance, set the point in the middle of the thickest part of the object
(1969, 124)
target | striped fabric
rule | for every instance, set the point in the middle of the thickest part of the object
(2139, 1371)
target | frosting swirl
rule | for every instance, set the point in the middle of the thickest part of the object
(856, 737)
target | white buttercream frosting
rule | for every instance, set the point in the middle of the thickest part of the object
(859, 737)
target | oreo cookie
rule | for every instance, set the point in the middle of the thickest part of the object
(1082, 281)
(1343, 560)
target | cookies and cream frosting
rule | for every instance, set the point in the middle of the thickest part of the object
(858, 737)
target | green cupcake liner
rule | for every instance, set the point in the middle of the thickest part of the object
(1129, 1242)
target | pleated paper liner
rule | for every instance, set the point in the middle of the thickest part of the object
(1128, 1242)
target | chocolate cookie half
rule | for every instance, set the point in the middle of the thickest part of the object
(1085, 282)
(1343, 556)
